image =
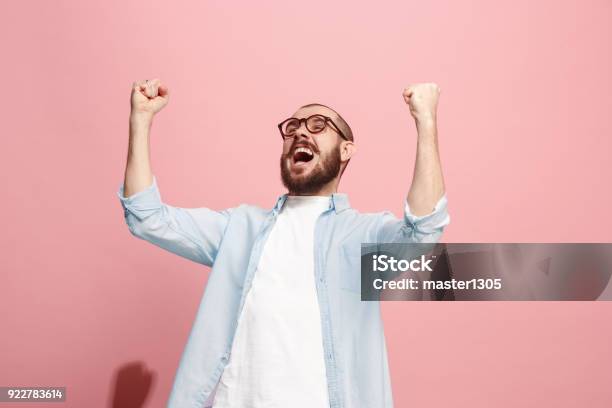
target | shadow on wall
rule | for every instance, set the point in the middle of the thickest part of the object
(132, 383)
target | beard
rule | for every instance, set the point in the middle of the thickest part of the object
(325, 171)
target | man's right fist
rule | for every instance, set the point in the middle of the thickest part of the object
(149, 96)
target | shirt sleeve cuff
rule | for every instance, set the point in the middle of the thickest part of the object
(143, 203)
(432, 222)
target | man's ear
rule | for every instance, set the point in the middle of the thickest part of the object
(347, 150)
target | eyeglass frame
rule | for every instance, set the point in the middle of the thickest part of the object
(305, 120)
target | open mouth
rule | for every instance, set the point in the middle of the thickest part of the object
(302, 155)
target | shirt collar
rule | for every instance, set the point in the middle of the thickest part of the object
(339, 202)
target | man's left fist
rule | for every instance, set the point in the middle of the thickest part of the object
(422, 100)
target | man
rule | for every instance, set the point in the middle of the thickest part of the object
(281, 323)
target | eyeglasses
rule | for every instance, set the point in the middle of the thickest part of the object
(314, 124)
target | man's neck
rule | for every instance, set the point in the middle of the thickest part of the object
(325, 191)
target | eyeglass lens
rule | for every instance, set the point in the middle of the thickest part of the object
(314, 124)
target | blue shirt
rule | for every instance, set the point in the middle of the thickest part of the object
(231, 242)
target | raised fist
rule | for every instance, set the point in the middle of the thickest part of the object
(422, 100)
(148, 96)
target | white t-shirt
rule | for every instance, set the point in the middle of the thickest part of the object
(277, 356)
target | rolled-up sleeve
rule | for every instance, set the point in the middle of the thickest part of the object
(193, 233)
(412, 228)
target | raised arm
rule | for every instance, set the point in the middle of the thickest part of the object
(193, 233)
(148, 98)
(425, 209)
(427, 186)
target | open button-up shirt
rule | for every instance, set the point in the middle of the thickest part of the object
(231, 242)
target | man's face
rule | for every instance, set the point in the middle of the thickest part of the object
(311, 160)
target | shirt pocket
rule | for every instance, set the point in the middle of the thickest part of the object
(350, 269)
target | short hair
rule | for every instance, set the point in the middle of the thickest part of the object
(343, 125)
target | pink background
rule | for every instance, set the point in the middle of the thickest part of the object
(524, 136)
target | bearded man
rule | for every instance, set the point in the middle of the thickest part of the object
(281, 322)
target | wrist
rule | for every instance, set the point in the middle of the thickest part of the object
(426, 123)
(428, 119)
(141, 119)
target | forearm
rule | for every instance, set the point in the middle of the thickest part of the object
(138, 173)
(427, 183)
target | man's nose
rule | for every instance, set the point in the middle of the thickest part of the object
(302, 132)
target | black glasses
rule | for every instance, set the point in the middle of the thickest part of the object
(314, 124)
